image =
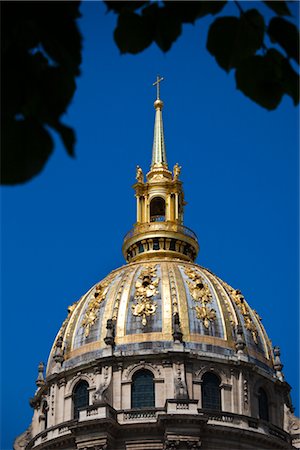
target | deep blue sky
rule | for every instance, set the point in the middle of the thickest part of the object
(62, 232)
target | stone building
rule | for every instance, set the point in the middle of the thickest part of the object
(162, 353)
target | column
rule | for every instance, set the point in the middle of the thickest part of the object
(176, 206)
(117, 382)
(61, 401)
(138, 209)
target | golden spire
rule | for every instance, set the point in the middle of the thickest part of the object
(159, 231)
(159, 157)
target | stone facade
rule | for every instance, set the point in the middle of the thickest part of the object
(161, 354)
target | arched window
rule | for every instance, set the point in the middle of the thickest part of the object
(157, 210)
(142, 390)
(80, 397)
(211, 393)
(263, 404)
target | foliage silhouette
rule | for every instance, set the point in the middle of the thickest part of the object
(41, 62)
(237, 42)
(41, 55)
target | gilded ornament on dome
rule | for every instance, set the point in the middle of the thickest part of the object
(257, 315)
(200, 292)
(240, 301)
(91, 314)
(71, 308)
(145, 289)
(207, 315)
(173, 292)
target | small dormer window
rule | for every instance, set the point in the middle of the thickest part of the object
(157, 210)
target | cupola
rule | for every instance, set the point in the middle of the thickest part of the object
(159, 230)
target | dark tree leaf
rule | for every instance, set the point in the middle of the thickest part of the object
(188, 12)
(41, 55)
(232, 39)
(259, 78)
(67, 136)
(285, 34)
(27, 148)
(133, 33)
(279, 7)
(167, 29)
(62, 42)
(54, 103)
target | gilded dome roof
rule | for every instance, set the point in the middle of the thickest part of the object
(142, 299)
(161, 296)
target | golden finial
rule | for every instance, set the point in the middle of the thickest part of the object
(158, 102)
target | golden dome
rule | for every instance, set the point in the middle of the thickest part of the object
(142, 300)
(161, 300)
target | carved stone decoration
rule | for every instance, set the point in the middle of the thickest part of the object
(24, 438)
(293, 422)
(176, 171)
(145, 288)
(200, 292)
(101, 393)
(52, 399)
(278, 366)
(239, 341)
(44, 410)
(181, 391)
(98, 296)
(139, 174)
(177, 334)
(66, 321)
(58, 355)
(239, 300)
(61, 382)
(246, 391)
(40, 381)
(110, 334)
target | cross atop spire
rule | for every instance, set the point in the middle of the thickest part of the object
(158, 80)
(159, 158)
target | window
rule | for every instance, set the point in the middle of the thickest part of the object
(155, 244)
(142, 390)
(80, 397)
(263, 404)
(211, 393)
(157, 210)
(173, 245)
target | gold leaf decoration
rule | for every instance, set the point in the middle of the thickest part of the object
(145, 288)
(240, 301)
(200, 292)
(205, 314)
(91, 314)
